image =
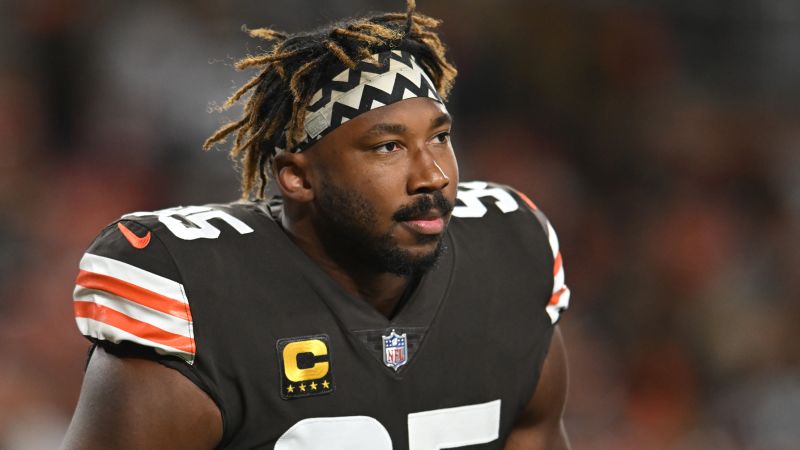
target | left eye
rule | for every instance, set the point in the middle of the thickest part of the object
(442, 138)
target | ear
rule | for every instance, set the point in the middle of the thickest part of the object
(292, 172)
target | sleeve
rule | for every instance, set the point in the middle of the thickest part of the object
(128, 294)
(559, 298)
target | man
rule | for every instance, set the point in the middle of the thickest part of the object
(376, 304)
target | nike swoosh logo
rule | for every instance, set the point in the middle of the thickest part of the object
(135, 241)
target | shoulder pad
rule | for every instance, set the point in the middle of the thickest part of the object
(481, 199)
(193, 222)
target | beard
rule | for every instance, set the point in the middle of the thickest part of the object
(347, 229)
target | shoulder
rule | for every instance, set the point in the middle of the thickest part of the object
(491, 205)
(151, 241)
(183, 229)
(200, 221)
(130, 287)
(502, 220)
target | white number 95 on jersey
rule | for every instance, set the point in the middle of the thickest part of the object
(427, 430)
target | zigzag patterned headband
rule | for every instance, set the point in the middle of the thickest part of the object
(384, 78)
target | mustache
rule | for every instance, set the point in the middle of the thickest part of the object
(423, 205)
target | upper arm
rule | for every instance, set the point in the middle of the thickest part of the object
(541, 424)
(131, 403)
(129, 295)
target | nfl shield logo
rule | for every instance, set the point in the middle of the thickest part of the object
(395, 350)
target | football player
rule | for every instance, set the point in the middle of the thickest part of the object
(375, 304)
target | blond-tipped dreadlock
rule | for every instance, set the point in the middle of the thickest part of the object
(297, 65)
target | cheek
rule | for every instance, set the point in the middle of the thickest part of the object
(379, 190)
(381, 181)
(449, 165)
(384, 197)
(453, 167)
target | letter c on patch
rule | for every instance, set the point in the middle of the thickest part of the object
(291, 368)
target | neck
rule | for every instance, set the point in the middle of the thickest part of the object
(382, 290)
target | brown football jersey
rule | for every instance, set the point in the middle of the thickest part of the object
(221, 294)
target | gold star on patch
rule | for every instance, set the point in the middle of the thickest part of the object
(313, 386)
(302, 387)
(290, 389)
(325, 384)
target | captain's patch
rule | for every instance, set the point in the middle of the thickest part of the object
(305, 366)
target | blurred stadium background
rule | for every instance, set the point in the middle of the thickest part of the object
(662, 138)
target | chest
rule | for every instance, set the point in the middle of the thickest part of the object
(296, 365)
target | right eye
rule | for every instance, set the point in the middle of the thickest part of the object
(388, 147)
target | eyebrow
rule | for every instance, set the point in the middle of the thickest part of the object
(399, 128)
(386, 128)
(445, 118)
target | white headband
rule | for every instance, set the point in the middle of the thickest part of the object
(382, 79)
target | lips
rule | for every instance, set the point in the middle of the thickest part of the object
(433, 225)
(427, 215)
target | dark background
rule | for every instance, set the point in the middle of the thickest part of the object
(662, 138)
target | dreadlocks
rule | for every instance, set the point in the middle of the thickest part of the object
(296, 66)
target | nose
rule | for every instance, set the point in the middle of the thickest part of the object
(425, 173)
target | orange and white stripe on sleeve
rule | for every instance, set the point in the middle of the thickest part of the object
(559, 300)
(115, 301)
